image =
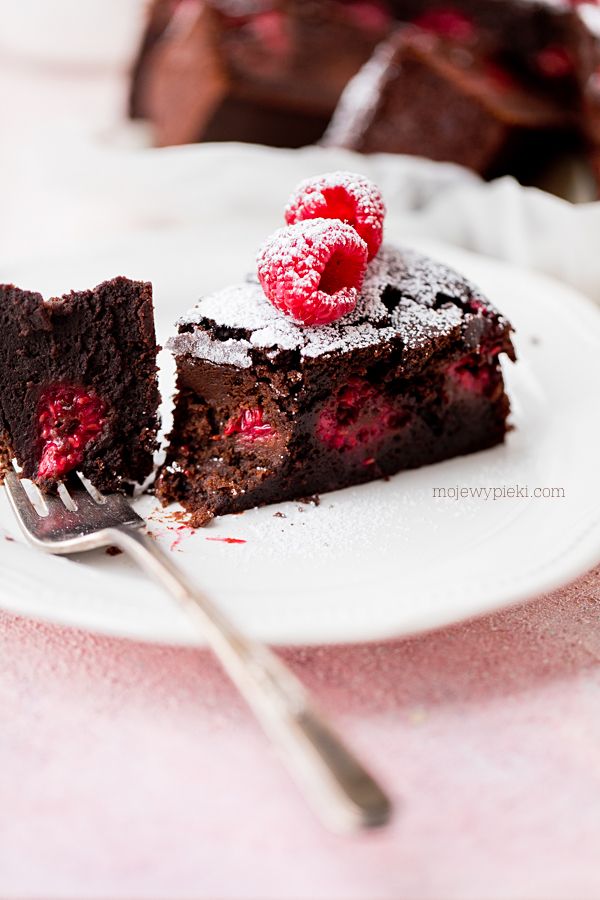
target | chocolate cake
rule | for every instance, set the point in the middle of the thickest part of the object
(244, 70)
(400, 103)
(272, 71)
(269, 410)
(79, 388)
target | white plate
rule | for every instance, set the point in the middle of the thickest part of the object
(376, 561)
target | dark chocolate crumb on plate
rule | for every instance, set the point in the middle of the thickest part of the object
(113, 551)
(312, 500)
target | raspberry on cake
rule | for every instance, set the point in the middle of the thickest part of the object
(313, 270)
(269, 410)
(345, 196)
(80, 391)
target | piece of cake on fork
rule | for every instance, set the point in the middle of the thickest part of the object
(79, 389)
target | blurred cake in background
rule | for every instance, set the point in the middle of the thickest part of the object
(421, 94)
(250, 70)
(500, 86)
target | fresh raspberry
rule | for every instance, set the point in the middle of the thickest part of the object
(359, 415)
(69, 419)
(341, 195)
(313, 270)
(448, 23)
(249, 425)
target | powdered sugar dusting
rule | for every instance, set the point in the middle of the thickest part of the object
(201, 345)
(358, 104)
(428, 300)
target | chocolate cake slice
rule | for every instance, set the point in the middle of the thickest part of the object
(425, 95)
(268, 410)
(78, 385)
(265, 71)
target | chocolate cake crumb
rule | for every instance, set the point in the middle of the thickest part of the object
(313, 500)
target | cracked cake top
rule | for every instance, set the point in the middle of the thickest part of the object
(406, 297)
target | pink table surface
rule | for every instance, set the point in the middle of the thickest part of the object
(131, 770)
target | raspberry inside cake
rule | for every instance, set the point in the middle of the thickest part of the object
(269, 410)
(79, 390)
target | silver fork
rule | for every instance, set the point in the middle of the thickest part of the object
(339, 789)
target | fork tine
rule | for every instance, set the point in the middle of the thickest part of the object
(91, 490)
(82, 499)
(65, 495)
(34, 495)
(20, 501)
(81, 523)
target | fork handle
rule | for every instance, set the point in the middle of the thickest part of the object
(344, 795)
